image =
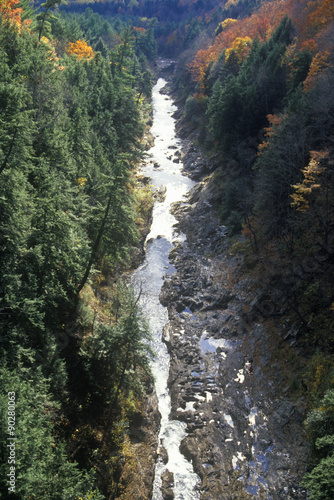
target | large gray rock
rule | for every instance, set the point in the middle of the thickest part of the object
(167, 479)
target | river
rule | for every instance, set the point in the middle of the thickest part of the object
(164, 170)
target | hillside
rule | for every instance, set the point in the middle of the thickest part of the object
(257, 98)
(72, 217)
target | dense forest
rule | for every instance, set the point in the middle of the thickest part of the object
(255, 79)
(72, 113)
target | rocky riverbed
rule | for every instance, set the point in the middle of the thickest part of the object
(231, 374)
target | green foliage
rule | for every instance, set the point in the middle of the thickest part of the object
(234, 208)
(116, 353)
(145, 44)
(66, 29)
(301, 68)
(320, 426)
(242, 98)
(320, 482)
(279, 168)
(28, 10)
(194, 110)
(42, 469)
(43, 26)
(70, 134)
(224, 111)
(243, 95)
(63, 135)
(320, 422)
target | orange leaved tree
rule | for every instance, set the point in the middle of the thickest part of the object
(10, 11)
(81, 49)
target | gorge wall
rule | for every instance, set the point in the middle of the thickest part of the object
(232, 374)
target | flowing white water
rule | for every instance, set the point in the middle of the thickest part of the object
(150, 277)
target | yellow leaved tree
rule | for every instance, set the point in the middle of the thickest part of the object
(310, 182)
(81, 49)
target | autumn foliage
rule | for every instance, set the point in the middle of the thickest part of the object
(139, 29)
(237, 34)
(11, 11)
(274, 121)
(81, 50)
(320, 15)
(312, 22)
(311, 174)
(318, 64)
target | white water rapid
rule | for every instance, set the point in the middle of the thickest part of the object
(150, 277)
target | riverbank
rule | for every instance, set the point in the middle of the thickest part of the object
(233, 379)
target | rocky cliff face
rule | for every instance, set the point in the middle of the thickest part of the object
(232, 375)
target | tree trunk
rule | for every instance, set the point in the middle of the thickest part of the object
(3, 166)
(95, 246)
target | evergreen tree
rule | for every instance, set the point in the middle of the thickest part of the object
(43, 26)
